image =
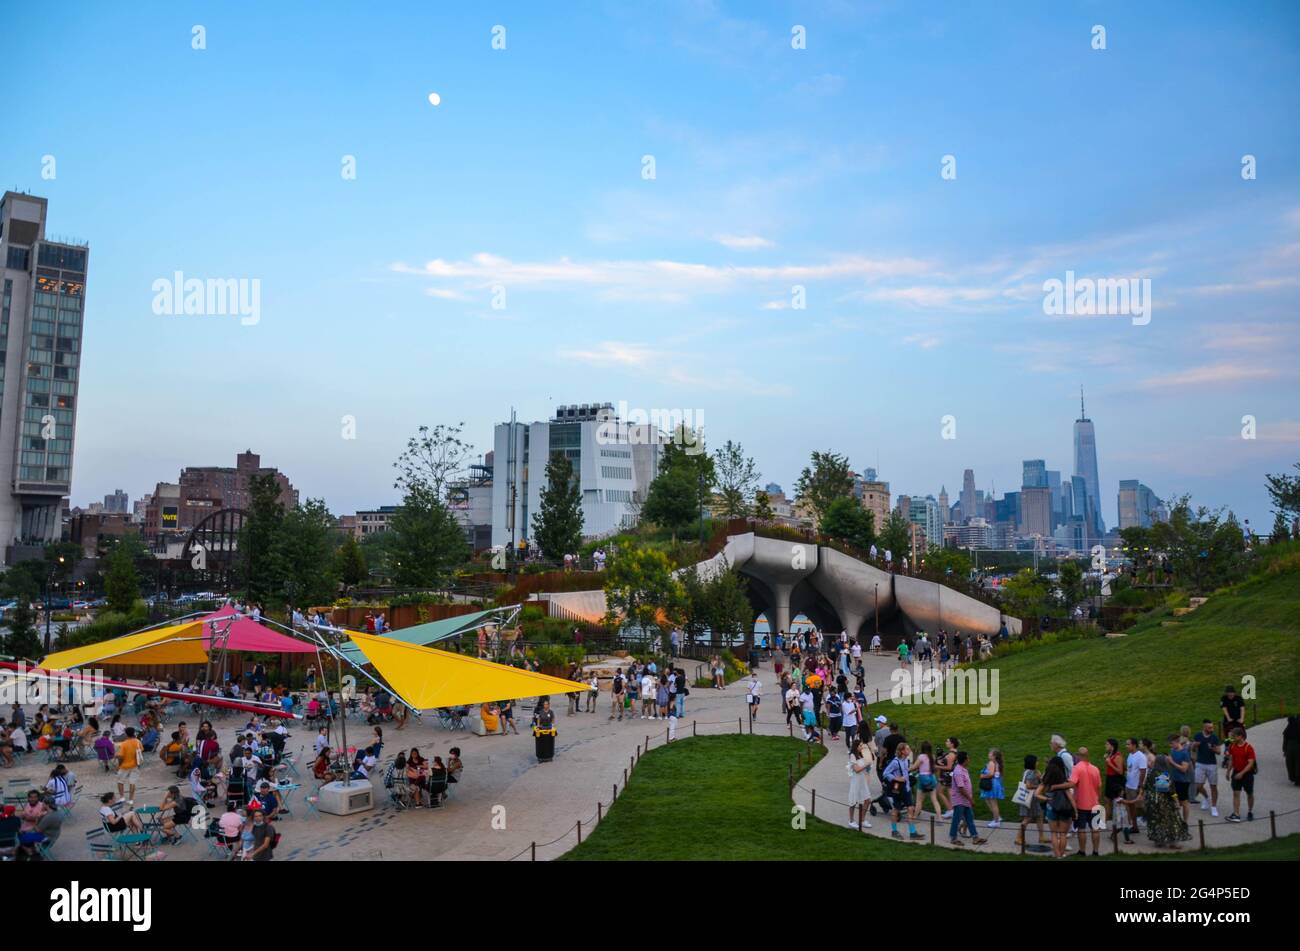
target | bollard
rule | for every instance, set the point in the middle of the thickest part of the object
(647, 744)
(1272, 824)
(790, 726)
(740, 724)
(599, 814)
(932, 828)
(1024, 836)
(693, 733)
(877, 695)
(580, 832)
(1200, 827)
(668, 734)
(638, 752)
(814, 803)
(615, 796)
(534, 847)
(625, 777)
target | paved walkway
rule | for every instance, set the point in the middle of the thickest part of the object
(507, 800)
(1272, 792)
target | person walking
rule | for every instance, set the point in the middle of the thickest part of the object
(991, 790)
(962, 811)
(1243, 767)
(1033, 811)
(859, 767)
(1206, 746)
(898, 778)
(1086, 781)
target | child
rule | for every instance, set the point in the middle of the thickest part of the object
(993, 795)
(1032, 812)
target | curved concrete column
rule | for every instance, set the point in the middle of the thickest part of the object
(850, 587)
(930, 606)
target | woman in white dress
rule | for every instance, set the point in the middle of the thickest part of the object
(859, 767)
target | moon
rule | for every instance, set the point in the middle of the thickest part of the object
(434, 99)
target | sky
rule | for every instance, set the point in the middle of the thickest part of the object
(911, 176)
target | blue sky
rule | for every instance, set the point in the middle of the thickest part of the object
(774, 167)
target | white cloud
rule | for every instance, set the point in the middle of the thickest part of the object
(746, 242)
(1218, 374)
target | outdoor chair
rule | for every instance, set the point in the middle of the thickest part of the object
(101, 846)
(400, 792)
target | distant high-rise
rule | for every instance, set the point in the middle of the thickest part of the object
(773, 489)
(118, 503)
(42, 292)
(969, 502)
(1085, 465)
(1054, 483)
(1036, 511)
(944, 512)
(1138, 505)
(1035, 474)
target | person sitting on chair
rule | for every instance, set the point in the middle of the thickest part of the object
(417, 775)
(454, 765)
(126, 822)
(437, 782)
(268, 800)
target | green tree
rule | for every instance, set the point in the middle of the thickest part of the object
(820, 484)
(1025, 594)
(737, 479)
(260, 570)
(1284, 490)
(434, 459)
(672, 499)
(350, 562)
(1204, 547)
(949, 566)
(763, 507)
(424, 543)
(684, 485)
(121, 582)
(22, 642)
(846, 519)
(896, 536)
(640, 589)
(304, 552)
(729, 611)
(1070, 580)
(557, 525)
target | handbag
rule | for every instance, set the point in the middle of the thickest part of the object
(1022, 795)
(986, 784)
(1061, 805)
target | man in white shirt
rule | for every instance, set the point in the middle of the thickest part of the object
(754, 697)
(648, 697)
(856, 652)
(1135, 774)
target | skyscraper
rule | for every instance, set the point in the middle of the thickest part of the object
(969, 503)
(1138, 505)
(945, 512)
(1085, 465)
(1035, 477)
(42, 290)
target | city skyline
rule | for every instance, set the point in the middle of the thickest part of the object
(775, 167)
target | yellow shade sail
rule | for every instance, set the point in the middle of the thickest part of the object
(174, 644)
(427, 678)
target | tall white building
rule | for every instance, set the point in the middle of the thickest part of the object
(614, 461)
(42, 293)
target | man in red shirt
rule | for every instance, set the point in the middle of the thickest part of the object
(1241, 756)
(1086, 780)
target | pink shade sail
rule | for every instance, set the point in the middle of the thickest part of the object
(245, 634)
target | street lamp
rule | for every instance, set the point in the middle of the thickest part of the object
(49, 581)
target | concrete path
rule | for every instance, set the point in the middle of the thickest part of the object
(1272, 792)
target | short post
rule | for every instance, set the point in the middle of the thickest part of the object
(790, 726)
(638, 752)
(580, 832)
(1272, 824)
(877, 695)
(693, 731)
(932, 828)
(740, 724)
(1115, 841)
(534, 849)
(615, 795)
(647, 744)
(1200, 827)
(814, 803)
(668, 734)
(625, 777)
(599, 814)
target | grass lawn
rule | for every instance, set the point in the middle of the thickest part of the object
(1146, 684)
(725, 798)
